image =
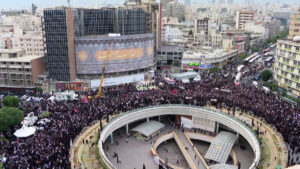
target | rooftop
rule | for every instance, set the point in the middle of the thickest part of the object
(26, 58)
(10, 50)
(289, 41)
(184, 75)
(192, 54)
(170, 48)
(148, 128)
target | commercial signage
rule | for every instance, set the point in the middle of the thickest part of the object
(76, 86)
(193, 64)
(205, 66)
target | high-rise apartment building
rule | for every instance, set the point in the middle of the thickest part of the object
(287, 65)
(175, 9)
(165, 2)
(187, 2)
(287, 60)
(294, 26)
(153, 16)
(230, 1)
(201, 30)
(243, 17)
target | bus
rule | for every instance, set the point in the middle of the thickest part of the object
(272, 46)
(269, 54)
(250, 57)
(267, 50)
(268, 61)
(238, 78)
(253, 59)
(240, 68)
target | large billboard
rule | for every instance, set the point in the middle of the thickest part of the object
(126, 53)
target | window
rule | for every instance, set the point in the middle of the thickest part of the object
(296, 30)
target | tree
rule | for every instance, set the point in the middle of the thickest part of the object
(10, 116)
(266, 75)
(45, 114)
(10, 101)
(190, 33)
(255, 49)
(214, 69)
(243, 56)
(274, 87)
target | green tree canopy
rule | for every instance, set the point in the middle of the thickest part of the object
(10, 101)
(243, 56)
(214, 69)
(255, 49)
(10, 116)
(266, 75)
(45, 114)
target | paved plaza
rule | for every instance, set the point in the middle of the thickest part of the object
(134, 153)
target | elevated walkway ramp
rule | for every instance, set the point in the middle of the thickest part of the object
(189, 153)
(221, 146)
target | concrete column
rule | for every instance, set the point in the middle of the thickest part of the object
(217, 127)
(127, 129)
(148, 119)
(159, 118)
(111, 138)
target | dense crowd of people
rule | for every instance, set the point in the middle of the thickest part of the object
(49, 148)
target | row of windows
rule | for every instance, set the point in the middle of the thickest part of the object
(290, 46)
(15, 63)
(284, 73)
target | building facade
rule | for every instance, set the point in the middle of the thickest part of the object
(175, 9)
(169, 56)
(243, 17)
(287, 65)
(94, 21)
(59, 35)
(294, 26)
(172, 34)
(32, 43)
(130, 54)
(202, 30)
(204, 59)
(19, 71)
(64, 24)
(131, 21)
(153, 18)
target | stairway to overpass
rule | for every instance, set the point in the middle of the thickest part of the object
(188, 151)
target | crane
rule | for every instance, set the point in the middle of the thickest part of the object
(103, 70)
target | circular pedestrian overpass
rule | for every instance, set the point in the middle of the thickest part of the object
(199, 112)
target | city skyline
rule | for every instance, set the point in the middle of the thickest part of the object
(26, 4)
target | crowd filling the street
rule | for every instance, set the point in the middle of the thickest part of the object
(49, 147)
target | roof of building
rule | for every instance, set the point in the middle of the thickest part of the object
(26, 58)
(206, 53)
(184, 75)
(10, 50)
(221, 146)
(170, 48)
(148, 128)
(223, 166)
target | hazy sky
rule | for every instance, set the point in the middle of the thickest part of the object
(26, 4)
